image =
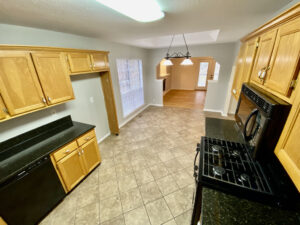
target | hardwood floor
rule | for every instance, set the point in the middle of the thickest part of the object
(185, 99)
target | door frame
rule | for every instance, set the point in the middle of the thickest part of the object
(210, 71)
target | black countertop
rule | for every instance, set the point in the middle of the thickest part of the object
(221, 208)
(19, 152)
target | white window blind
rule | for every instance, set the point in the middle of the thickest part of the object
(130, 75)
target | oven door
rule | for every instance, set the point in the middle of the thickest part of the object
(248, 117)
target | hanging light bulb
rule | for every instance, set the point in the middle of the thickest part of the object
(187, 62)
(167, 62)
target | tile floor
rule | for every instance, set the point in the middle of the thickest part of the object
(145, 176)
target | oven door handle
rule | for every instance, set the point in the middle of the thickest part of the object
(253, 113)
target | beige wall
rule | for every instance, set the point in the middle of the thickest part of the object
(186, 77)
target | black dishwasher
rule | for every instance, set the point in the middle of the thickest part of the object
(28, 196)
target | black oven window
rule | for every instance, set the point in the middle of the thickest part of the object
(245, 108)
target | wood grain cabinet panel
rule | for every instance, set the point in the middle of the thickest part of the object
(72, 169)
(79, 62)
(3, 109)
(91, 154)
(262, 60)
(53, 74)
(19, 84)
(285, 58)
(2, 222)
(244, 65)
(99, 61)
(287, 149)
(238, 71)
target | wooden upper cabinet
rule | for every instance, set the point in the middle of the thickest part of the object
(287, 149)
(238, 71)
(54, 77)
(91, 154)
(244, 65)
(3, 109)
(71, 169)
(285, 59)
(99, 61)
(262, 60)
(79, 62)
(19, 84)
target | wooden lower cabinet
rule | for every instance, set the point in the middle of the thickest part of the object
(90, 154)
(2, 222)
(76, 164)
(287, 149)
(72, 169)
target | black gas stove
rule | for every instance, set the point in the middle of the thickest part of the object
(228, 166)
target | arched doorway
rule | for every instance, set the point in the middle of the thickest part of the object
(185, 86)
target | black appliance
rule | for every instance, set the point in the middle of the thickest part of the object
(28, 196)
(250, 169)
(260, 117)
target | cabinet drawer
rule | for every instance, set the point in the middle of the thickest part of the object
(64, 151)
(86, 137)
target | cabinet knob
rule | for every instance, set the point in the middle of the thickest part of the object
(67, 151)
(49, 99)
(44, 100)
(87, 138)
(82, 151)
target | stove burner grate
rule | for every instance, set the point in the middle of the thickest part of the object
(229, 162)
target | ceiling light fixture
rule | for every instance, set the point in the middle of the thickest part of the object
(140, 10)
(186, 62)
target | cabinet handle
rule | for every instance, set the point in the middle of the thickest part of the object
(49, 99)
(67, 151)
(44, 100)
(87, 138)
(259, 73)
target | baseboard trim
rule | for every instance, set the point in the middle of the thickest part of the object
(103, 138)
(134, 115)
(160, 105)
(213, 110)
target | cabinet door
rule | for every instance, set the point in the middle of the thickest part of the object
(238, 71)
(287, 149)
(285, 58)
(3, 109)
(99, 61)
(263, 56)
(79, 62)
(19, 84)
(72, 169)
(53, 74)
(91, 154)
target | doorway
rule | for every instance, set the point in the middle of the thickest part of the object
(185, 86)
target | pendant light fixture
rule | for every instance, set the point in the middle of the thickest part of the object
(186, 62)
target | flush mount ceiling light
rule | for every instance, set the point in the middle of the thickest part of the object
(140, 10)
(186, 62)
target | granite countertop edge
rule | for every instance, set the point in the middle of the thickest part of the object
(51, 144)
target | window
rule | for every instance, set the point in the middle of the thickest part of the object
(131, 84)
(217, 71)
(203, 74)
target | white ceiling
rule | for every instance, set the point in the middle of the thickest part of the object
(203, 21)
